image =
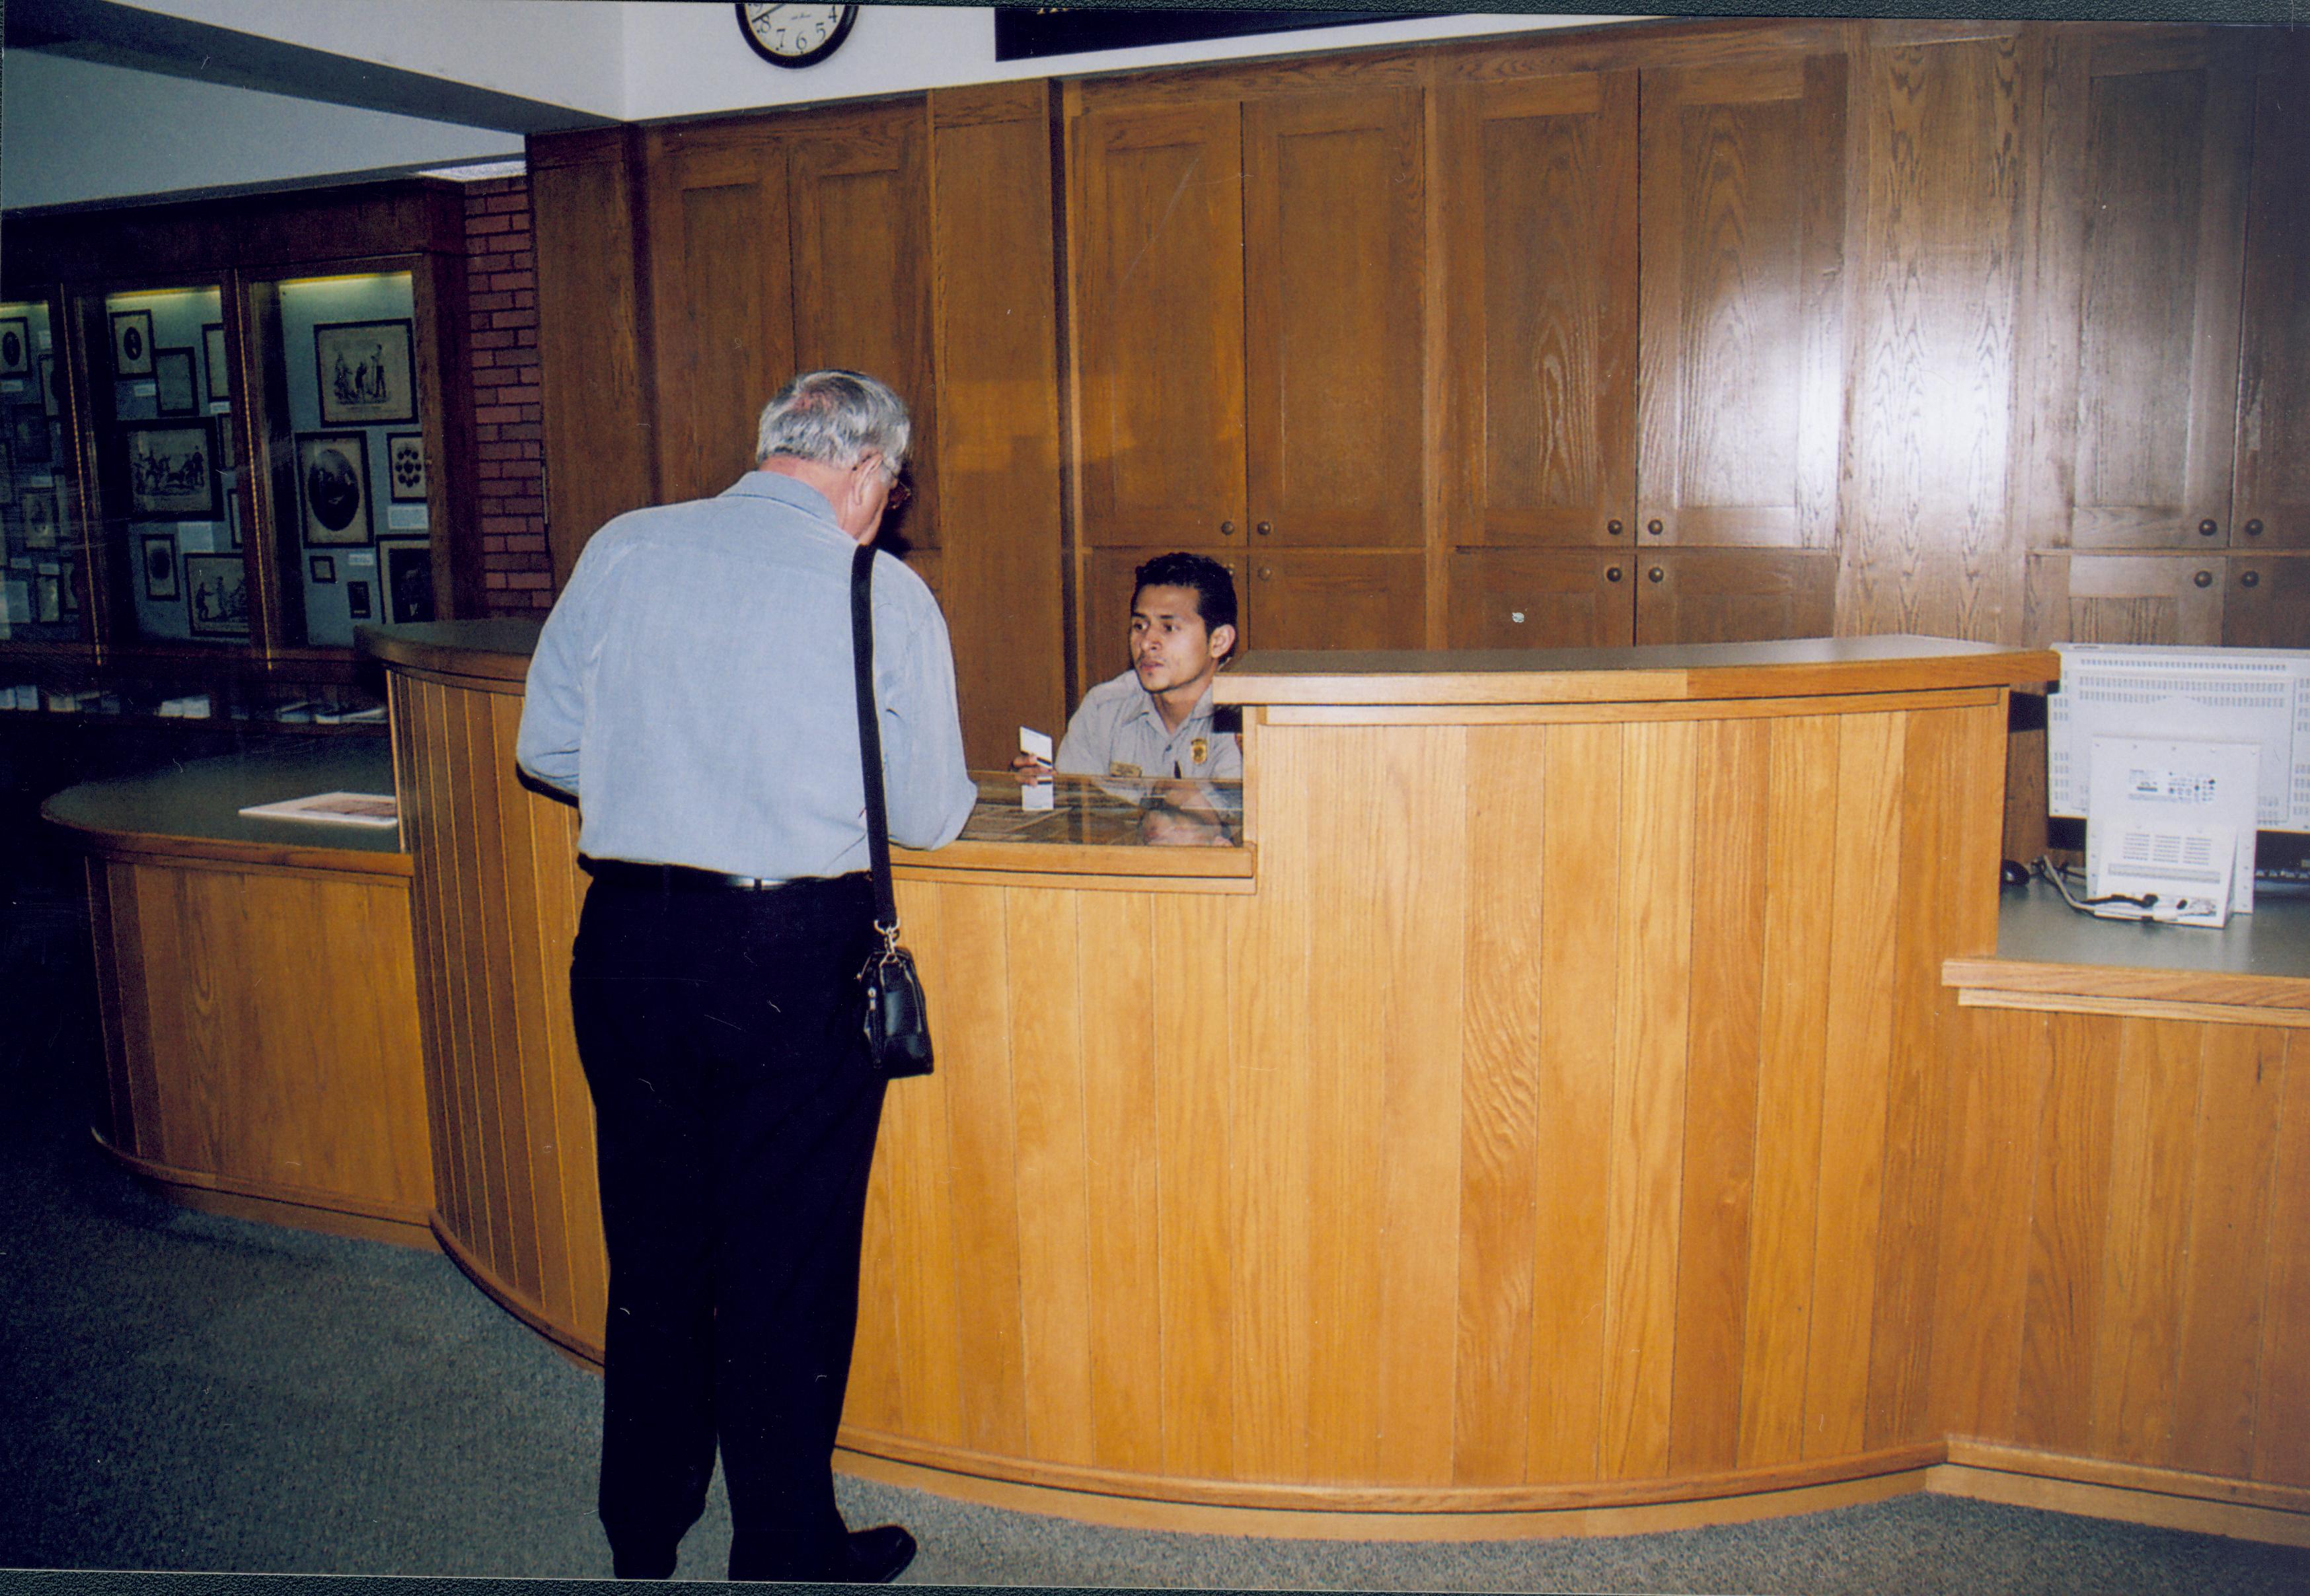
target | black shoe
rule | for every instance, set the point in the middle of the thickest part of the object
(874, 1557)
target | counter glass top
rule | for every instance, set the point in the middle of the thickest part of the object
(2035, 926)
(201, 800)
(1106, 811)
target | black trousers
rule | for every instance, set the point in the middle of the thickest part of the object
(735, 1114)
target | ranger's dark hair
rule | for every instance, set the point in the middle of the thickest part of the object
(1215, 588)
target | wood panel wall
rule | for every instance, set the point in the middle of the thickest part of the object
(493, 906)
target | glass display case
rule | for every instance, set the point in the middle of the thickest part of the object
(41, 583)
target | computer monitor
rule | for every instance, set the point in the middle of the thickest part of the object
(2255, 696)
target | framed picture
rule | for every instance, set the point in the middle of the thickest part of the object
(220, 371)
(171, 468)
(39, 517)
(216, 594)
(132, 344)
(232, 517)
(47, 598)
(226, 459)
(357, 599)
(365, 374)
(15, 346)
(7, 473)
(404, 465)
(161, 567)
(333, 475)
(72, 590)
(16, 600)
(324, 566)
(173, 379)
(49, 384)
(28, 438)
(407, 578)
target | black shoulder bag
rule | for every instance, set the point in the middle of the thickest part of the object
(897, 1022)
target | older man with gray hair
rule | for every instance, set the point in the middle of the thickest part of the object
(693, 691)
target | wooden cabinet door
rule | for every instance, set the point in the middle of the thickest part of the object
(1540, 180)
(720, 298)
(2268, 604)
(1740, 381)
(2139, 259)
(1335, 305)
(1324, 598)
(1529, 598)
(860, 220)
(2272, 486)
(2125, 598)
(1156, 233)
(862, 268)
(1734, 595)
(1105, 622)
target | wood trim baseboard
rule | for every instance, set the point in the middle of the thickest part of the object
(2163, 1498)
(578, 1348)
(294, 1206)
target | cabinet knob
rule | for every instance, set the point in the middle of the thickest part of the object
(2203, 578)
(1613, 529)
(2254, 529)
(2207, 529)
(1227, 529)
(2251, 579)
(1264, 528)
(1655, 526)
(1266, 573)
(1655, 574)
(1611, 573)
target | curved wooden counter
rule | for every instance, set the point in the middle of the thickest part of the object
(1555, 1118)
(258, 993)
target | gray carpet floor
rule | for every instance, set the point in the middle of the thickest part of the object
(182, 1392)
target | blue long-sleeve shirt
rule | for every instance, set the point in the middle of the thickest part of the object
(693, 689)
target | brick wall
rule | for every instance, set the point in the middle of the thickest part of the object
(501, 297)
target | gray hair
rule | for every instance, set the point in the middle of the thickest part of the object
(836, 417)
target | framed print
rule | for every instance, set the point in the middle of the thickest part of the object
(28, 438)
(324, 566)
(132, 344)
(226, 459)
(220, 373)
(365, 374)
(161, 567)
(47, 598)
(15, 346)
(404, 465)
(216, 594)
(357, 599)
(173, 377)
(7, 473)
(232, 517)
(171, 468)
(39, 517)
(407, 578)
(49, 384)
(72, 590)
(16, 599)
(333, 474)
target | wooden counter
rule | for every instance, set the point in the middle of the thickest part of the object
(1553, 1119)
(258, 992)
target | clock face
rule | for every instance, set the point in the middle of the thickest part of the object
(795, 35)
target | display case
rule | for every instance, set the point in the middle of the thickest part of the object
(41, 574)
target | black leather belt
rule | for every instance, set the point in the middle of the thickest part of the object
(671, 878)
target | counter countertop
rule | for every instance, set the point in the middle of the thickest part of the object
(194, 807)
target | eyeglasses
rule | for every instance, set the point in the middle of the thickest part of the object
(896, 500)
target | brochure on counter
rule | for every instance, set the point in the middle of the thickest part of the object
(344, 809)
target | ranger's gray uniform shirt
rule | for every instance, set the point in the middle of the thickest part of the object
(1118, 731)
(693, 688)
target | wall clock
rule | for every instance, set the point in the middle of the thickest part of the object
(795, 35)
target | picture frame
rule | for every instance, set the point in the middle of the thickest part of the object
(232, 522)
(47, 598)
(159, 560)
(72, 589)
(48, 404)
(29, 441)
(357, 599)
(38, 514)
(171, 468)
(15, 346)
(216, 594)
(406, 576)
(132, 344)
(16, 601)
(405, 466)
(365, 372)
(332, 487)
(7, 473)
(175, 377)
(219, 368)
(323, 567)
(227, 461)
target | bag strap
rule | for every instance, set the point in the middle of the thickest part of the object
(870, 740)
